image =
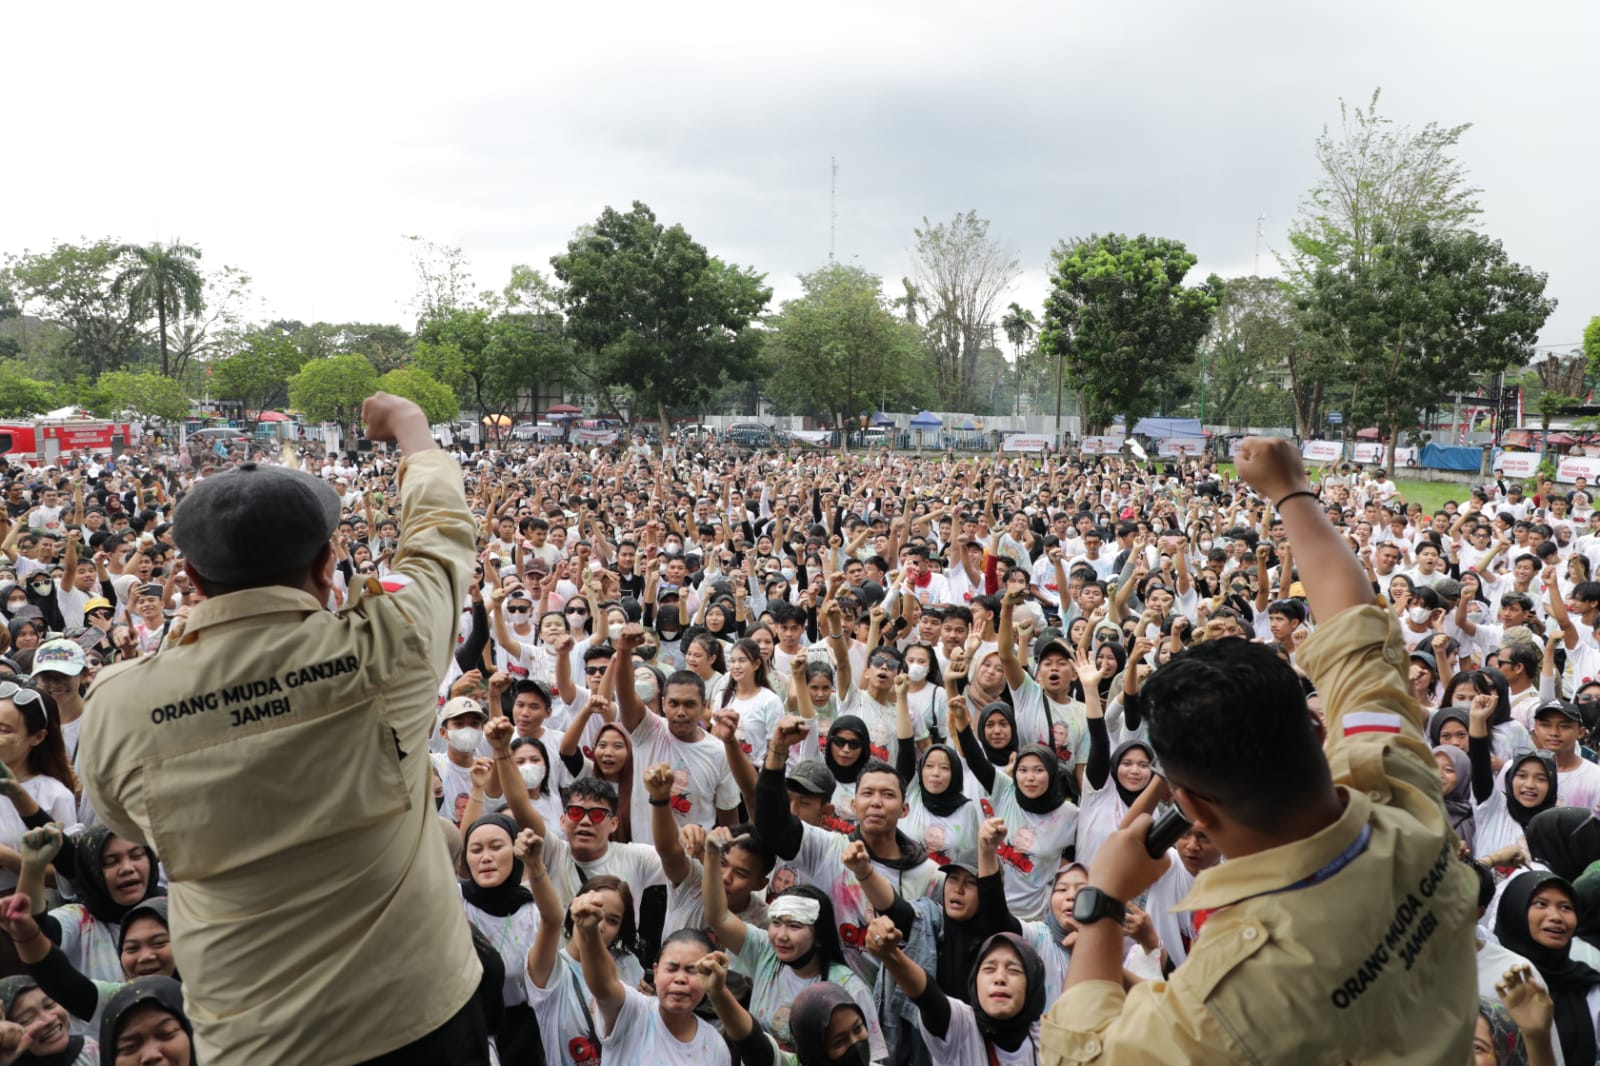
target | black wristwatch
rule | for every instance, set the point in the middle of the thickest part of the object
(1090, 905)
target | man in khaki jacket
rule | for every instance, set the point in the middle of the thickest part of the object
(1340, 928)
(276, 758)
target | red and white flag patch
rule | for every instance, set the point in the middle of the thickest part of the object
(1371, 722)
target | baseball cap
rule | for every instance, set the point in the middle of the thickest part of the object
(255, 522)
(460, 705)
(528, 684)
(1426, 659)
(60, 657)
(812, 777)
(97, 603)
(1051, 639)
(969, 867)
(1559, 706)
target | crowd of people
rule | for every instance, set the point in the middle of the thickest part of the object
(795, 758)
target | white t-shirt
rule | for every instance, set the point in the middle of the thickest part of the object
(1031, 854)
(686, 904)
(758, 716)
(54, 798)
(635, 865)
(881, 721)
(962, 1043)
(567, 1026)
(1063, 727)
(702, 783)
(511, 936)
(641, 1038)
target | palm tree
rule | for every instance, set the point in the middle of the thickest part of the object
(1019, 326)
(162, 278)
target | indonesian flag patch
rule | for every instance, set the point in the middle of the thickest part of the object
(1371, 722)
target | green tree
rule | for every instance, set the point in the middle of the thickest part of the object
(656, 313)
(1020, 326)
(144, 394)
(1124, 323)
(258, 375)
(1244, 359)
(838, 349)
(21, 395)
(333, 390)
(1591, 345)
(1378, 178)
(437, 401)
(70, 287)
(960, 273)
(1426, 311)
(163, 279)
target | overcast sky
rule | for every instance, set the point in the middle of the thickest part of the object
(300, 141)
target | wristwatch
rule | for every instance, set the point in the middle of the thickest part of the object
(1090, 905)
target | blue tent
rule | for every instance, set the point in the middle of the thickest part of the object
(881, 419)
(1162, 428)
(926, 420)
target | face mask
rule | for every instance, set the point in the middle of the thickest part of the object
(532, 774)
(645, 690)
(857, 1054)
(1417, 615)
(466, 740)
(1475, 617)
(917, 671)
(615, 632)
(1205, 545)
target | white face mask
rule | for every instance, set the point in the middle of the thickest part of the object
(1205, 545)
(645, 690)
(917, 671)
(1418, 615)
(1475, 617)
(532, 774)
(465, 739)
(788, 573)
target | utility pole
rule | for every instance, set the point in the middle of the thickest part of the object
(1260, 221)
(833, 204)
(1058, 396)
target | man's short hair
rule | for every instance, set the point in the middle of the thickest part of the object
(592, 788)
(690, 678)
(878, 766)
(1228, 721)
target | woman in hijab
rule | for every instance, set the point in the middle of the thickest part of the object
(1537, 919)
(41, 588)
(939, 812)
(829, 1026)
(1043, 822)
(1005, 999)
(13, 598)
(799, 947)
(1506, 734)
(1455, 776)
(1448, 725)
(111, 875)
(1502, 814)
(25, 632)
(1565, 840)
(53, 1044)
(501, 908)
(1112, 780)
(145, 1024)
(845, 753)
(1496, 1040)
(997, 734)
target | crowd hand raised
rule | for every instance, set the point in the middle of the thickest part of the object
(658, 781)
(883, 938)
(959, 716)
(587, 910)
(791, 730)
(528, 847)
(713, 970)
(693, 838)
(498, 732)
(991, 834)
(467, 683)
(1271, 466)
(16, 917)
(40, 846)
(482, 773)
(15, 1040)
(1528, 1004)
(857, 860)
(725, 725)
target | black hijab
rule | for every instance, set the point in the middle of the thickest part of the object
(11, 989)
(1436, 723)
(1569, 982)
(997, 756)
(809, 1016)
(1565, 839)
(1054, 796)
(49, 609)
(161, 992)
(952, 799)
(1128, 795)
(850, 723)
(1009, 1033)
(154, 907)
(1520, 814)
(93, 891)
(510, 895)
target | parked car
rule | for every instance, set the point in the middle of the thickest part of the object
(226, 434)
(751, 435)
(686, 434)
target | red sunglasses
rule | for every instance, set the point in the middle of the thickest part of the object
(596, 815)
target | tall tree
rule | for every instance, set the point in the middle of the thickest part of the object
(258, 375)
(1019, 326)
(960, 273)
(1246, 354)
(1378, 178)
(838, 349)
(1124, 323)
(70, 287)
(163, 279)
(656, 312)
(333, 390)
(1591, 345)
(1429, 308)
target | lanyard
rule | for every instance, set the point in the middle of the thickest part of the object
(1339, 862)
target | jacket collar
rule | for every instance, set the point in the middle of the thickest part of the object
(247, 604)
(1277, 868)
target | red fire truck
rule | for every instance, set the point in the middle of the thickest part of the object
(44, 441)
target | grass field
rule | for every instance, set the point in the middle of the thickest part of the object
(1431, 494)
